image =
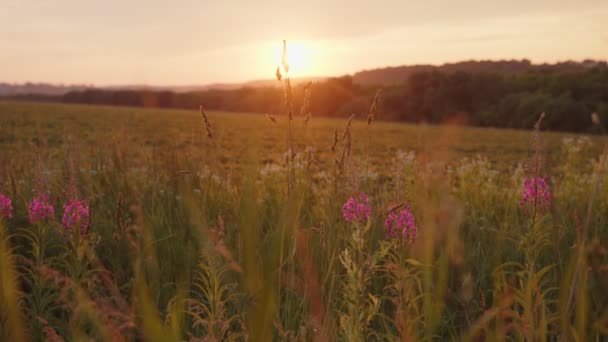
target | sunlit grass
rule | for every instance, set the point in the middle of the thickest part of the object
(195, 237)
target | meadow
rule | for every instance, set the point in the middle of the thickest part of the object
(210, 232)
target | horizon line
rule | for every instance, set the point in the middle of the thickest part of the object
(306, 77)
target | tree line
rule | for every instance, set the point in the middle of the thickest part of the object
(513, 100)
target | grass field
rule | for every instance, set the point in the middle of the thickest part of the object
(229, 238)
(239, 133)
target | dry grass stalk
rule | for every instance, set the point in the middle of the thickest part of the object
(271, 118)
(278, 74)
(305, 109)
(347, 128)
(373, 110)
(207, 123)
(121, 223)
(307, 118)
(344, 154)
(335, 142)
(346, 143)
(284, 59)
(309, 156)
(395, 207)
(536, 161)
(288, 97)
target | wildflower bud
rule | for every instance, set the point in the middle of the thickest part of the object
(6, 207)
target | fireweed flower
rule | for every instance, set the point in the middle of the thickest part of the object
(40, 208)
(76, 216)
(401, 224)
(6, 206)
(535, 193)
(357, 208)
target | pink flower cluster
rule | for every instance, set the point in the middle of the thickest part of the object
(401, 224)
(357, 208)
(535, 193)
(398, 223)
(76, 216)
(75, 213)
(6, 206)
(40, 208)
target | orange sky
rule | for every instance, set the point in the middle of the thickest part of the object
(197, 42)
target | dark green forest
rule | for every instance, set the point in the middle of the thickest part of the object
(498, 94)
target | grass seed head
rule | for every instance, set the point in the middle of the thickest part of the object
(346, 140)
(371, 116)
(348, 123)
(305, 109)
(288, 97)
(278, 74)
(284, 59)
(307, 118)
(271, 118)
(536, 160)
(207, 123)
(335, 142)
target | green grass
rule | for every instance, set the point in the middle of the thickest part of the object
(194, 237)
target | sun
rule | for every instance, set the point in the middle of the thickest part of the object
(299, 57)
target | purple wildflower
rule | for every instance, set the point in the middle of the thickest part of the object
(357, 208)
(6, 206)
(401, 224)
(535, 194)
(76, 216)
(40, 208)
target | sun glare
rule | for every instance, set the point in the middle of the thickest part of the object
(299, 56)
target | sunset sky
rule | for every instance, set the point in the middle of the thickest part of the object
(197, 42)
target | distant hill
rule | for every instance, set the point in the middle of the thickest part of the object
(400, 74)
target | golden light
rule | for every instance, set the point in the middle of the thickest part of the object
(299, 57)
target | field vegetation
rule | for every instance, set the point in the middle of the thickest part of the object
(129, 224)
